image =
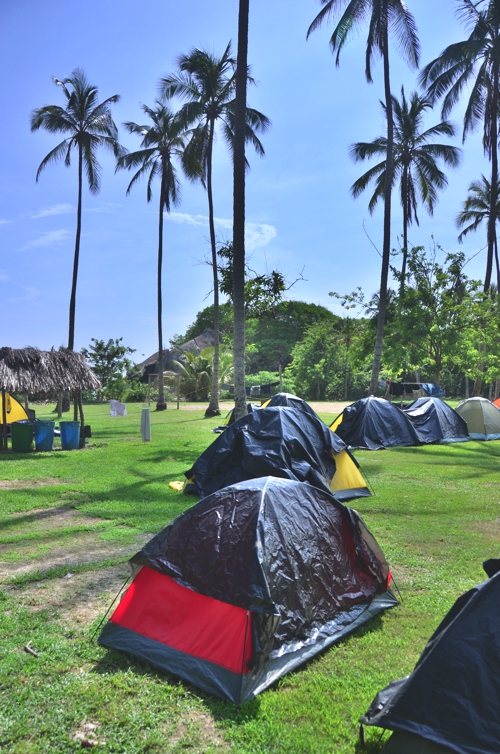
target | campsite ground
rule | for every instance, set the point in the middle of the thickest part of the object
(70, 520)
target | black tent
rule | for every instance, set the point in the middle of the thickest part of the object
(292, 401)
(452, 698)
(283, 442)
(436, 421)
(248, 584)
(374, 423)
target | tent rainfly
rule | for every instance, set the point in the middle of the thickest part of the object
(374, 423)
(436, 421)
(29, 370)
(248, 584)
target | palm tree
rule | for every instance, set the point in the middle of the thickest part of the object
(89, 125)
(208, 83)
(162, 141)
(476, 208)
(414, 162)
(474, 63)
(382, 15)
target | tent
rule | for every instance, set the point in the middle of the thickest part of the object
(482, 417)
(497, 403)
(452, 698)
(279, 441)
(374, 423)
(292, 401)
(229, 418)
(436, 421)
(248, 584)
(14, 411)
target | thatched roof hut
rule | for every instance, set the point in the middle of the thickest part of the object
(28, 370)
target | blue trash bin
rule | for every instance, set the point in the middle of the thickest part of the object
(70, 435)
(44, 434)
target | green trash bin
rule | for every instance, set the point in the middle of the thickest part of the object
(21, 433)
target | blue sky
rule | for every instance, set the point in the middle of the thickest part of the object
(300, 215)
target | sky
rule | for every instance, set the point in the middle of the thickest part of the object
(301, 218)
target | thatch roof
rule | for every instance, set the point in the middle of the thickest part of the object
(28, 370)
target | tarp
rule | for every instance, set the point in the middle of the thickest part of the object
(248, 584)
(283, 442)
(436, 421)
(452, 698)
(15, 412)
(292, 401)
(373, 424)
(432, 390)
(482, 417)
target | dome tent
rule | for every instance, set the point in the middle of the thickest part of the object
(451, 700)
(283, 442)
(436, 421)
(248, 584)
(373, 424)
(292, 401)
(482, 417)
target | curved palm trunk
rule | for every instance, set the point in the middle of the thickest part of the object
(240, 408)
(213, 406)
(494, 182)
(386, 251)
(405, 229)
(161, 405)
(72, 302)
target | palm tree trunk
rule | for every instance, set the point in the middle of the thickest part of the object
(386, 250)
(240, 408)
(213, 406)
(161, 405)
(404, 190)
(492, 219)
(72, 302)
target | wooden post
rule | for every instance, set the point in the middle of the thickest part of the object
(3, 441)
(178, 390)
(148, 397)
(26, 402)
(280, 375)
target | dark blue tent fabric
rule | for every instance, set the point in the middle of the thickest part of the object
(435, 421)
(292, 401)
(453, 695)
(374, 423)
(282, 442)
(432, 390)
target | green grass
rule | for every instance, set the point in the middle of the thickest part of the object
(70, 520)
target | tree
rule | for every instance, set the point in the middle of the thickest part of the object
(476, 208)
(90, 126)
(196, 373)
(474, 64)
(162, 141)
(383, 15)
(437, 320)
(109, 362)
(208, 83)
(415, 162)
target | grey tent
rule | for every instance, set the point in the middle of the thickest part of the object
(482, 417)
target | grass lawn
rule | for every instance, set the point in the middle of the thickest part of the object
(70, 520)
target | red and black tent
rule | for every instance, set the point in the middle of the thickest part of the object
(249, 583)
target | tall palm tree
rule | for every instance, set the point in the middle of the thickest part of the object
(207, 83)
(474, 64)
(162, 141)
(89, 125)
(415, 162)
(476, 208)
(382, 16)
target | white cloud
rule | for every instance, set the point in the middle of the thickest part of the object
(3, 276)
(256, 234)
(31, 293)
(48, 238)
(5, 222)
(56, 209)
(108, 208)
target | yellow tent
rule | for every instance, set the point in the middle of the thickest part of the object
(14, 411)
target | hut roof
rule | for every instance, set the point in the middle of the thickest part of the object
(28, 370)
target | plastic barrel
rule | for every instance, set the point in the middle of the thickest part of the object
(22, 435)
(70, 435)
(44, 435)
